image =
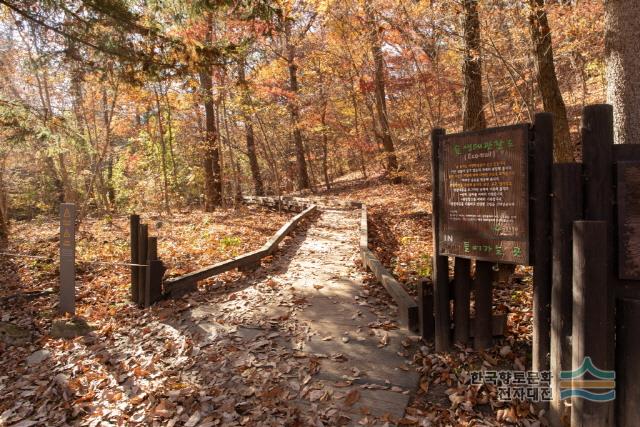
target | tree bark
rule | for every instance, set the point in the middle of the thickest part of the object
(380, 92)
(4, 214)
(294, 110)
(248, 126)
(211, 157)
(174, 170)
(163, 152)
(472, 100)
(325, 146)
(622, 24)
(548, 81)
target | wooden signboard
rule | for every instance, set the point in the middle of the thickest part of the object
(484, 195)
(629, 220)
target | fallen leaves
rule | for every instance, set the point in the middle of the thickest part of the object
(352, 397)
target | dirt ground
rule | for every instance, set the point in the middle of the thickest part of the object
(307, 339)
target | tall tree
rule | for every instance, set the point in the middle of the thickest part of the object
(211, 157)
(472, 99)
(380, 91)
(548, 81)
(294, 108)
(248, 126)
(622, 32)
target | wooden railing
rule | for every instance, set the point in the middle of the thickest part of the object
(407, 306)
(177, 286)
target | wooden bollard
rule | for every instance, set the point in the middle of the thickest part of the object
(461, 308)
(590, 315)
(143, 234)
(541, 238)
(597, 160)
(152, 248)
(425, 310)
(134, 225)
(628, 380)
(567, 208)
(154, 273)
(482, 331)
(440, 273)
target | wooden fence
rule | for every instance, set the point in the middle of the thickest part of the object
(187, 283)
(595, 304)
(584, 241)
(407, 307)
(147, 271)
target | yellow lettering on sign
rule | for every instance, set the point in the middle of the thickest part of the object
(66, 234)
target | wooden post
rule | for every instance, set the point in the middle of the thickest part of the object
(425, 310)
(67, 258)
(482, 331)
(154, 273)
(143, 234)
(440, 273)
(627, 367)
(152, 248)
(134, 225)
(597, 159)
(461, 308)
(590, 315)
(540, 182)
(597, 143)
(567, 208)
(364, 236)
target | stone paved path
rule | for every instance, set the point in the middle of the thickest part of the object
(361, 363)
(340, 315)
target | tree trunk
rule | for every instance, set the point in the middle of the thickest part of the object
(163, 153)
(110, 191)
(235, 168)
(325, 148)
(472, 99)
(381, 102)
(548, 81)
(356, 125)
(253, 159)
(251, 144)
(211, 157)
(294, 110)
(4, 211)
(174, 170)
(473, 117)
(622, 24)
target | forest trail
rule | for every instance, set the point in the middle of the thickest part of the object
(316, 306)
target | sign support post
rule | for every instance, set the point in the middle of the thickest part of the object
(67, 258)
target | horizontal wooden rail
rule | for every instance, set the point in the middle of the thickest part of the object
(187, 283)
(299, 203)
(286, 203)
(408, 310)
(407, 306)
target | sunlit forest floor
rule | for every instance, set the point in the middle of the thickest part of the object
(139, 369)
(400, 235)
(29, 298)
